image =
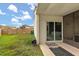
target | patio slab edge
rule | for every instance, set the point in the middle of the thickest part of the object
(46, 51)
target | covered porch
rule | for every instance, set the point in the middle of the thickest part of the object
(57, 22)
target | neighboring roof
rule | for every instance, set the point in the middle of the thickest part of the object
(6, 27)
(26, 26)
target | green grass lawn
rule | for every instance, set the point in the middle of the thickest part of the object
(18, 45)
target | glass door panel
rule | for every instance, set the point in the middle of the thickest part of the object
(50, 31)
(54, 31)
(58, 31)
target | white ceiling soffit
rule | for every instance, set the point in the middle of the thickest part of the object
(59, 9)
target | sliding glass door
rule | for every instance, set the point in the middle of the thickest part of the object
(58, 32)
(50, 31)
(54, 31)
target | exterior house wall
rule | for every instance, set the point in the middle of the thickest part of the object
(43, 25)
(71, 25)
(76, 23)
(71, 28)
(68, 26)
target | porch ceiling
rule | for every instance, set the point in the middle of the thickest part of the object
(58, 9)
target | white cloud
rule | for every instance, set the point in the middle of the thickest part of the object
(25, 12)
(31, 25)
(32, 6)
(3, 24)
(13, 8)
(14, 20)
(25, 16)
(2, 13)
(18, 17)
(18, 24)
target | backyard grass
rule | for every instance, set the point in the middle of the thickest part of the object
(18, 45)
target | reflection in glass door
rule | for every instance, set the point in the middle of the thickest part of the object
(50, 31)
(58, 31)
(54, 31)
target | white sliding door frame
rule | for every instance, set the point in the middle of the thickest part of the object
(55, 33)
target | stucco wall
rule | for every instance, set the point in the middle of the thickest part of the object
(71, 28)
(42, 26)
(68, 27)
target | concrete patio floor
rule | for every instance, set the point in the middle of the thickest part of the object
(47, 52)
(73, 50)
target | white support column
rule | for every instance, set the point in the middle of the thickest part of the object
(36, 27)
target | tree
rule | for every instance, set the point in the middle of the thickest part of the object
(23, 26)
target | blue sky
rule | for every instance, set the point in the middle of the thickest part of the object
(16, 14)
